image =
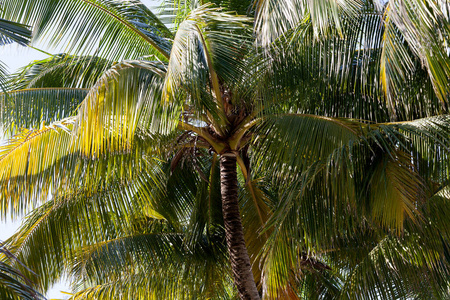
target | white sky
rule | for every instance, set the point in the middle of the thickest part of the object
(14, 57)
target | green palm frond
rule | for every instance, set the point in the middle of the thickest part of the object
(19, 164)
(208, 49)
(60, 70)
(396, 62)
(120, 29)
(290, 143)
(256, 207)
(126, 118)
(3, 76)
(142, 286)
(104, 213)
(356, 181)
(425, 28)
(274, 18)
(173, 12)
(390, 258)
(341, 168)
(73, 168)
(436, 209)
(68, 162)
(395, 191)
(30, 108)
(13, 284)
(164, 258)
(186, 255)
(347, 87)
(145, 20)
(375, 63)
(91, 219)
(13, 32)
(338, 127)
(205, 219)
(126, 97)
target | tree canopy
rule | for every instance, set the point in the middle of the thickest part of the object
(299, 154)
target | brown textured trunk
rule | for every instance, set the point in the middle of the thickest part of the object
(240, 261)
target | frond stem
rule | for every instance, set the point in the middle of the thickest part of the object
(217, 145)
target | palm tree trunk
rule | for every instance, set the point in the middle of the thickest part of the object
(240, 261)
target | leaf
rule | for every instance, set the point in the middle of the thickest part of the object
(29, 108)
(104, 24)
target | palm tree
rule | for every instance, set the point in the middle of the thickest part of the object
(128, 163)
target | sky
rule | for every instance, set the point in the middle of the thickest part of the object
(14, 57)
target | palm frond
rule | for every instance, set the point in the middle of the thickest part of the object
(25, 156)
(342, 167)
(372, 74)
(125, 98)
(167, 264)
(14, 32)
(425, 28)
(119, 29)
(395, 191)
(108, 211)
(208, 49)
(274, 18)
(144, 286)
(353, 181)
(103, 225)
(3, 76)
(30, 108)
(60, 70)
(173, 12)
(13, 284)
(255, 205)
(380, 271)
(290, 143)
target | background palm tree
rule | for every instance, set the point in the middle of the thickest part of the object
(322, 173)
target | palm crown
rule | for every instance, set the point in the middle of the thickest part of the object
(334, 113)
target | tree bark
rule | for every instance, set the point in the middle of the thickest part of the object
(240, 261)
